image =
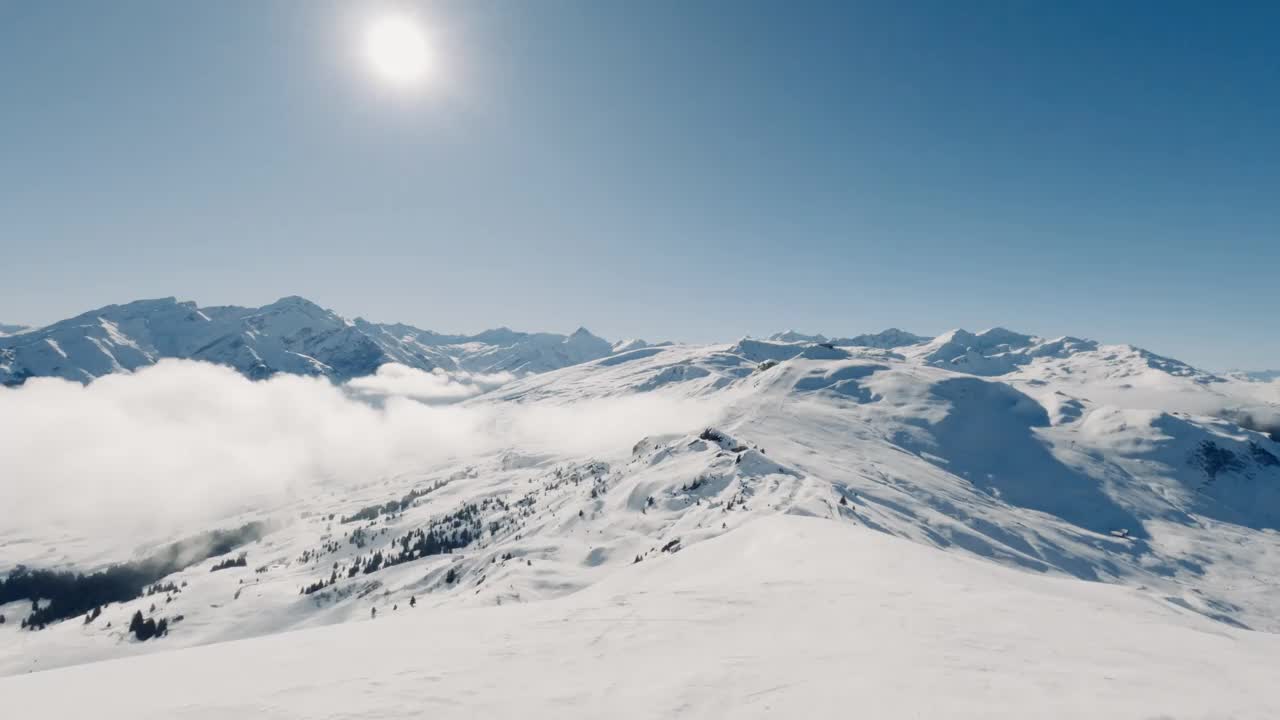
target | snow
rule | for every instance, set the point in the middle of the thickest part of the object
(785, 617)
(897, 527)
(291, 335)
(628, 345)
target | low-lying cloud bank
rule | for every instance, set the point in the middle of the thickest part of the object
(437, 386)
(178, 445)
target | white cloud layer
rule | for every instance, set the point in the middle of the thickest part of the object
(436, 386)
(173, 447)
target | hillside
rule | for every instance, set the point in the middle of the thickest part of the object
(784, 617)
(1078, 461)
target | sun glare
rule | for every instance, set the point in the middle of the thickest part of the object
(397, 51)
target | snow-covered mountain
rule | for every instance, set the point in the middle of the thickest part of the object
(7, 329)
(292, 335)
(885, 339)
(1063, 460)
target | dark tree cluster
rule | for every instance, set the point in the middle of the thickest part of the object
(599, 488)
(697, 483)
(319, 585)
(711, 435)
(1213, 460)
(443, 535)
(71, 593)
(149, 628)
(166, 588)
(239, 561)
(1262, 456)
(391, 507)
(309, 555)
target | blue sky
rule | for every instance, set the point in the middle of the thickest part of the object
(664, 169)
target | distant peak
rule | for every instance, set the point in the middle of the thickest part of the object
(583, 337)
(292, 300)
(885, 339)
(498, 336)
(1004, 334)
(794, 336)
(296, 303)
(149, 302)
(629, 344)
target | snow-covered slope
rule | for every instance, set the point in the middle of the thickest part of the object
(7, 329)
(291, 335)
(784, 617)
(1074, 462)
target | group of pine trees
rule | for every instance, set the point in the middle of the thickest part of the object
(450, 532)
(241, 561)
(70, 594)
(391, 507)
(145, 629)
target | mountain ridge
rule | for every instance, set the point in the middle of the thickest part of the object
(298, 336)
(291, 335)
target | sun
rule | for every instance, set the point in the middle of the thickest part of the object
(397, 51)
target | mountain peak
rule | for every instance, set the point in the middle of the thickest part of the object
(588, 345)
(885, 339)
(789, 336)
(293, 301)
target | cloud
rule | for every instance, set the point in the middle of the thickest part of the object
(176, 446)
(436, 386)
(1263, 419)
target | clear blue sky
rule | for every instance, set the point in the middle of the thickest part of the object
(665, 169)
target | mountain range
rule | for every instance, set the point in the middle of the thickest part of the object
(983, 499)
(292, 335)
